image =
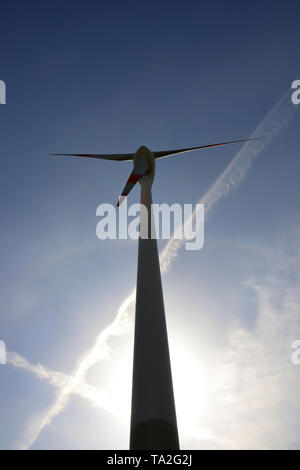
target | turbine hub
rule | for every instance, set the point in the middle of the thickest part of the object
(143, 153)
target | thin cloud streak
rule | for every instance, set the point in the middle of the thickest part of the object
(60, 380)
(98, 398)
(276, 120)
(99, 351)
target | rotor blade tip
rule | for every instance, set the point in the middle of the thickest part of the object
(121, 199)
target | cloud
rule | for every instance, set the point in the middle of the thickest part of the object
(254, 391)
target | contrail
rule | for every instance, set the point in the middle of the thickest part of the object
(97, 397)
(276, 120)
(99, 351)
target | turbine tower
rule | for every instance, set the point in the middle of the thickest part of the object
(153, 415)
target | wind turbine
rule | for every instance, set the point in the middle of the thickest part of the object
(153, 415)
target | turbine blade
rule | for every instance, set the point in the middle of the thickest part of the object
(131, 182)
(140, 168)
(115, 156)
(168, 153)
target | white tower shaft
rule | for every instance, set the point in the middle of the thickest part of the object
(153, 416)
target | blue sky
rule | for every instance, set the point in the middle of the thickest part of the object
(107, 78)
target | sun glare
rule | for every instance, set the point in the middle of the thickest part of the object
(189, 382)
